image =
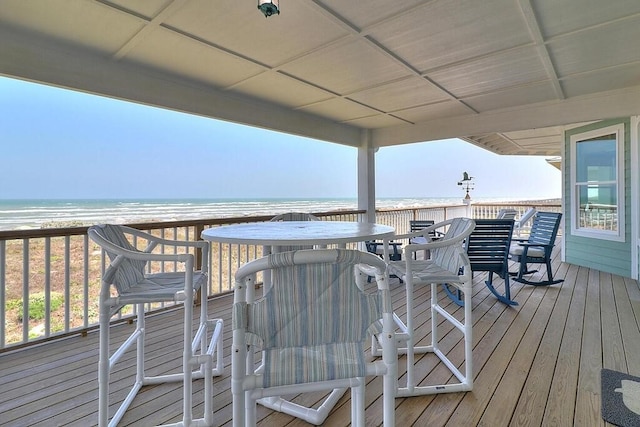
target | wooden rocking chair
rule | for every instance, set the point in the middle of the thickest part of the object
(537, 249)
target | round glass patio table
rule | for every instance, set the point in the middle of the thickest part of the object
(297, 233)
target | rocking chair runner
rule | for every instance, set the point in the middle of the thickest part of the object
(537, 249)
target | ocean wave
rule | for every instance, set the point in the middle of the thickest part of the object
(34, 213)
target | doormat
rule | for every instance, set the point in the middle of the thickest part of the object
(620, 398)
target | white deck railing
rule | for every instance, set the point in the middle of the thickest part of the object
(50, 278)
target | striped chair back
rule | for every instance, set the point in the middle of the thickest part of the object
(450, 257)
(122, 272)
(314, 316)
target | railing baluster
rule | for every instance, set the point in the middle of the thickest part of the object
(67, 283)
(85, 281)
(47, 286)
(3, 293)
(25, 290)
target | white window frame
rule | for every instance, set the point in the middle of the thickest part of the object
(614, 235)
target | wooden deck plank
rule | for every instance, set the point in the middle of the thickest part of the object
(599, 293)
(534, 365)
(506, 341)
(562, 395)
(532, 400)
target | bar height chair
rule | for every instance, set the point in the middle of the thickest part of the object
(310, 329)
(449, 265)
(127, 280)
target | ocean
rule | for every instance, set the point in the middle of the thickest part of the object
(27, 214)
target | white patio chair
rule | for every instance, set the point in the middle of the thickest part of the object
(311, 328)
(507, 213)
(448, 265)
(127, 281)
(295, 216)
(524, 220)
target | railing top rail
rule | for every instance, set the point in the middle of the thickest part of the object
(151, 225)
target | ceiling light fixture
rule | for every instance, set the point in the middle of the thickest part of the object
(268, 7)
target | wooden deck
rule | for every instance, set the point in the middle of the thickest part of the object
(536, 364)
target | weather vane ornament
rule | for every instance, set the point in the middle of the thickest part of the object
(467, 184)
(268, 7)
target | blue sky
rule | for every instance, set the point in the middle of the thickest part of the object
(63, 144)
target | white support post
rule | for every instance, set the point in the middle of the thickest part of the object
(635, 197)
(367, 177)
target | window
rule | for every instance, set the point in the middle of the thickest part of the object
(597, 192)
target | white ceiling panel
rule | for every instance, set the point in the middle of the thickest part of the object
(432, 111)
(78, 22)
(377, 121)
(508, 98)
(339, 109)
(281, 90)
(403, 94)
(148, 8)
(607, 46)
(492, 72)
(176, 54)
(604, 80)
(233, 24)
(566, 16)
(362, 14)
(359, 66)
(452, 31)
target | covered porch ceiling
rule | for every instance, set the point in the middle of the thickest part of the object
(506, 75)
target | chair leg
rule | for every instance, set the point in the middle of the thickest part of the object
(437, 311)
(103, 369)
(106, 362)
(187, 362)
(390, 378)
(357, 404)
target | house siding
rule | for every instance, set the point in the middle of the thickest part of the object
(605, 255)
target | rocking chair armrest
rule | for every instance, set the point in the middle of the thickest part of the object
(544, 245)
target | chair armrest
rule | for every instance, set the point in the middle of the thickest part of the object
(429, 232)
(146, 256)
(544, 245)
(154, 241)
(414, 247)
(167, 242)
